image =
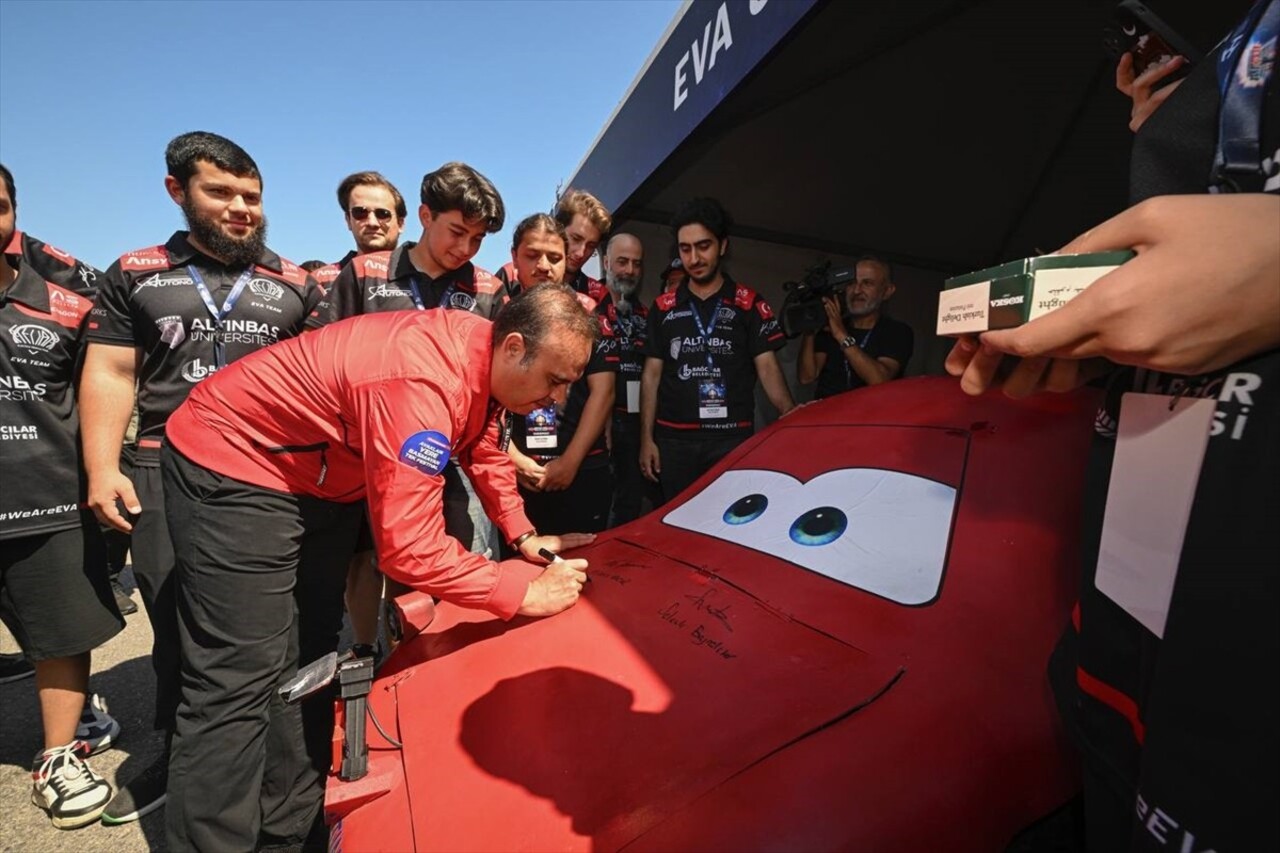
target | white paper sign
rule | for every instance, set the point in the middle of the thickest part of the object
(1159, 453)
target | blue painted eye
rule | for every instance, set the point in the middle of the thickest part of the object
(746, 509)
(820, 526)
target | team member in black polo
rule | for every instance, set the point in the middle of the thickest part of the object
(166, 318)
(374, 212)
(860, 346)
(626, 318)
(459, 208)
(54, 592)
(586, 222)
(707, 342)
(562, 461)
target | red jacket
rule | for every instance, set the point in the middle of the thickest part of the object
(384, 400)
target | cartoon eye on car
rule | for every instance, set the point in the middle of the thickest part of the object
(835, 640)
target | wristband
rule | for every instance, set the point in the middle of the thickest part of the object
(522, 538)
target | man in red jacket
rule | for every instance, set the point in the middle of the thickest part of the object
(264, 467)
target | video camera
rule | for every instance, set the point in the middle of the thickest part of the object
(802, 309)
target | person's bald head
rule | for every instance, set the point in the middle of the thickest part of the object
(624, 265)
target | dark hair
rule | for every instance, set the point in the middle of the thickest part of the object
(457, 186)
(538, 222)
(707, 212)
(580, 201)
(8, 184)
(875, 259)
(312, 266)
(369, 179)
(183, 152)
(543, 311)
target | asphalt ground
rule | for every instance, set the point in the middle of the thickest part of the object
(122, 674)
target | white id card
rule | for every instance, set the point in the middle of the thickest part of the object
(633, 396)
(1159, 453)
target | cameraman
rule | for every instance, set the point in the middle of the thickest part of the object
(860, 346)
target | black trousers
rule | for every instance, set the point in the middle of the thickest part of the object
(153, 570)
(259, 584)
(684, 460)
(630, 487)
(581, 508)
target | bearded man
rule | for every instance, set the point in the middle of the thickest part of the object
(167, 317)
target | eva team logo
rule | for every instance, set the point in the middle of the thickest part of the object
(462, 302)
(266, 289)
(33, 338)
(427, 450)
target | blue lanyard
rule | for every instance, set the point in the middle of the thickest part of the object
(1244, 70)
(702, 327)
(219, 353)
(417, 295)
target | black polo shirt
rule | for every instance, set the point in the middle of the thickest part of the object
(888, 338)
(41, 343)
(543, 434)
(384, 281)
(708, 382)
(149, 299)
(53, 264)
(627, 325)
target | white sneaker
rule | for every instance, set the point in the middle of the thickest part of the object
(67, 788)
(97, 728)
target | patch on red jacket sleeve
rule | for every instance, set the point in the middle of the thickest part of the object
(427, 450)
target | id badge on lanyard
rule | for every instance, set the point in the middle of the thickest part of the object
(219, 314)
(712, 404)
(1245, 67)
(540, 427)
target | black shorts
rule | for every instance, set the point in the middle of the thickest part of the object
(54, 593)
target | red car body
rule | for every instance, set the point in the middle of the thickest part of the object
(731, 684)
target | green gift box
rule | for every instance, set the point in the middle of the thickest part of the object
(1013, 293)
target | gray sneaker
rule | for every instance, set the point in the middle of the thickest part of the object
(66, 787)
(97, 728)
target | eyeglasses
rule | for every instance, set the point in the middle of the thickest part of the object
(362, 213)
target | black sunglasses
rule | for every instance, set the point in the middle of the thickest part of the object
(362, 213)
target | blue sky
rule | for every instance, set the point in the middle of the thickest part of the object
(90, 93)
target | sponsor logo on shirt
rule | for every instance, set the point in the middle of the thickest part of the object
(15, 389)
(65, 305)
(19, 433)
(87, 275)
(677, 315)
(195, 371)
(235, 331)
(687, 372)
(166, 280)
(172, 331)
(33, 338)
(462, 301)
(267, 289)
(385, 290)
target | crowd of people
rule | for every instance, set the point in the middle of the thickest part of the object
(370, 454)
(309, 436)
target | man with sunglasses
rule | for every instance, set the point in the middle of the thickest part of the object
(374, 212)
(460, 207)
(166, 318)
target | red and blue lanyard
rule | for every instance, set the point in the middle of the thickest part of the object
(1245, 54)
(219, 314)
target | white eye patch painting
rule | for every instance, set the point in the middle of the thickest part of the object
(884, 532)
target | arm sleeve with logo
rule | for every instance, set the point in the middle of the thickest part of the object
(111, 320)
(405, 488)
(494, 477)
(763, 332)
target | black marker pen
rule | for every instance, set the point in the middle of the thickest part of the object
(551, 557)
